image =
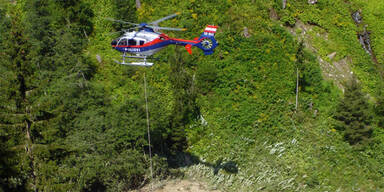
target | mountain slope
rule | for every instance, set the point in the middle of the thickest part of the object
(229, 118)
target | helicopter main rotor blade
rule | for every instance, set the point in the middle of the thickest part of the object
(167, 28)
(121, 31)
(164, 18)
(115, 32)
(120, 21)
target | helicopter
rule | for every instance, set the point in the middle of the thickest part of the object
(146, 40)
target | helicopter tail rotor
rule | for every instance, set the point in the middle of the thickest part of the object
(207, 40)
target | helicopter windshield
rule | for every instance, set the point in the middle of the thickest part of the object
(114, 42)
(123, 41)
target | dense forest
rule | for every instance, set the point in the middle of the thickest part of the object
(291, 100)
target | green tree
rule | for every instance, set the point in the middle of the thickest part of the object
(354, 116)
(15, 70)
(379, 107)
(8, 160)
(185, 108)
(44, 74)
(206, 76)
(126, 11)
(61, 80)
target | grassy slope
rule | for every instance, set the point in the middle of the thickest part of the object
(334, 19)
(249, 107)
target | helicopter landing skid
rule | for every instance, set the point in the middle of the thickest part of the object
(142, 63)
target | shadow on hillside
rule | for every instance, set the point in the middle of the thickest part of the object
(186, 159)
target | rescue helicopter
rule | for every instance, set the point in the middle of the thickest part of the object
(146, 40)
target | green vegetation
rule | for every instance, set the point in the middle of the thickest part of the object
(71, 119)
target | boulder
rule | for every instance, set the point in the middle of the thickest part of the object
(332, 55)
(246, 33)
(365, 40)
(357, 17)
(312, 2)
(98, 58)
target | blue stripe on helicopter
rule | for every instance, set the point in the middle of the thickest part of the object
(151, 47)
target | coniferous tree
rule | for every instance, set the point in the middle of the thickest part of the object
(379, 108)
(299, 64)
(57, 31)
(43, 75)
(8, 121)
(16, 71)
(354, 116)
(126, 11)
(185, 108)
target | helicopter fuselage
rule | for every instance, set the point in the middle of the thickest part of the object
(147, 43)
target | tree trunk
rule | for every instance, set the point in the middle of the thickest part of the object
(29, 151)
(297, 89)
(284, 3)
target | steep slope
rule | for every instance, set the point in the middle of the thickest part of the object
(248, 104)
(229, 118)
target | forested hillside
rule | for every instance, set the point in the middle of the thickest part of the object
(291, 100)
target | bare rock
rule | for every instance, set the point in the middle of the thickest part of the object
(138, 4)
(246, 33)
(357, 17)
(332, 55)
(273, 15)
(365, 40)
(98, 58)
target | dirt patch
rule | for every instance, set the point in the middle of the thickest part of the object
(178, 186)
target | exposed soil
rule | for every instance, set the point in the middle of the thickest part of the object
(178, 186)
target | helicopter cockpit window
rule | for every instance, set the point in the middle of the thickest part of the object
(141, 42)
(114, 42)
(123, 42)
(131, 42)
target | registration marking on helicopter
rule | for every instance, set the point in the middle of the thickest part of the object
(132, 49)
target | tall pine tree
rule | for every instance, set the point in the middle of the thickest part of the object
(57, 32)
(379, 107)
(354, 116)
(16, 70)
(185, 108)
(43, 76)
(10, 177)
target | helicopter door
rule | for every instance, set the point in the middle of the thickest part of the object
(131, 42)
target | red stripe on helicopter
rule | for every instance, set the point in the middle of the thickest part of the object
(189, 41)
(156, 41)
